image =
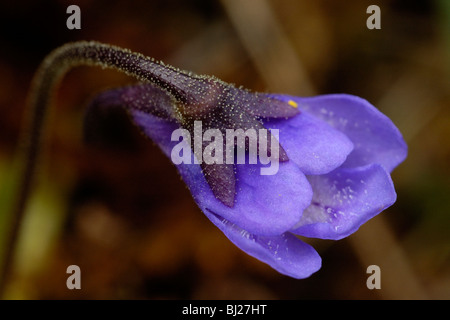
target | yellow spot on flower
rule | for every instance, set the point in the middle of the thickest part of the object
(293, 103)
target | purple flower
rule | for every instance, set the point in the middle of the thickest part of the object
(335, 175)
(333, 153)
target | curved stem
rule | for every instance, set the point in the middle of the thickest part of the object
(55, 65)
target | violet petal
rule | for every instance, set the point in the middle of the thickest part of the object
(345, 199)
(285, 253)
(311, 143)
(376, 139)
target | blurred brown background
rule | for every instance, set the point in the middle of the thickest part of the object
(119, 210)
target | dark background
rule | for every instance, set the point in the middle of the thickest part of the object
(118, 209)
